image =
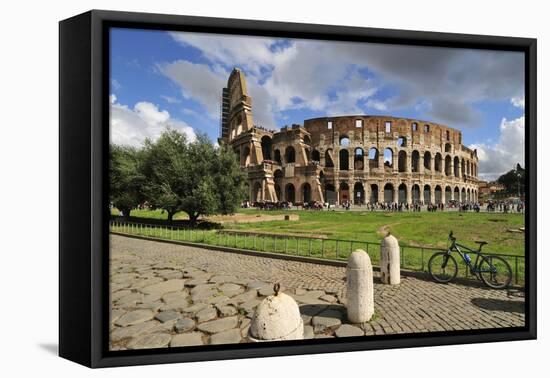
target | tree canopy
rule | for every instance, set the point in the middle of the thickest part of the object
(510, 180)
(180, 175)
(126, 178)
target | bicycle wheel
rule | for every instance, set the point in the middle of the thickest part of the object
(442, 267)
(495, 272)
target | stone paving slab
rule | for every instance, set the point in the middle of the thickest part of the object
(167, 295)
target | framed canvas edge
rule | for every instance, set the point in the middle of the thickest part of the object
(97, 265)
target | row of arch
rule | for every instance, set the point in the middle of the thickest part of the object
(448, 166)
(390, 194)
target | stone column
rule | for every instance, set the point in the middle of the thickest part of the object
(380, 193)
(381, 160)
(432, 164)
(336, 158)
(262, 196)
(360, 287)
(365, 162)
(443, 195)
(367, 190)
(409, 194)
(351, 159)
(459, 169)
(395, 193)
(390, 271)
(421, 164)
(432, 194)
(394, 161)
(452, 168)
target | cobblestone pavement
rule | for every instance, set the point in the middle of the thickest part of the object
(170, 295)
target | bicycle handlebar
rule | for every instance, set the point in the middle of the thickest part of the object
(451, 237)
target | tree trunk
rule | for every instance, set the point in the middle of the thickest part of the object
(170, 216)
(193, 218)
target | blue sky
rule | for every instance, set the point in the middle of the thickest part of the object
(161, 79)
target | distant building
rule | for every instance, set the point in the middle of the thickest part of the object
(487, 189)
(356, 158)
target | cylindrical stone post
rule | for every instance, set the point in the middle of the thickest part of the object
(277, 317)
(360, 287)
(390, 271)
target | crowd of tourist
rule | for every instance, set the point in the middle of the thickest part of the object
(491, 206)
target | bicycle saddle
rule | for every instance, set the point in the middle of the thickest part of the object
(481, 242)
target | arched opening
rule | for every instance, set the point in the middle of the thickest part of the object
(266, 147)
(278, 156)
(278, 178)
(388, 193)
(315, 156)
(467, 194)
(438, 194)
(427, 194)
(290, 193)
(344, 192)
(415, 161)
(456, 164)
(358, 159)
(427, 160)
(278, 192)
(402, 141)
(344, 159)
(402, 193)
(402, 161)
(246, 157)
(373, 158)
(307, 140)
(448, 147)
(330, 193)
(463, 195)
(374, 193)
(257, 192)
(468, 168)
(329, 163)
(358, 193)
(306, 193)
(437, 162)
(415, 193)
(388, 157)
(447, 165)
(344, 141)
(290, 155)
(448, 194)
(463, 168)
(457, 194)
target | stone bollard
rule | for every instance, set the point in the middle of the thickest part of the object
(390, 270)
(277, 317)
(360, 287)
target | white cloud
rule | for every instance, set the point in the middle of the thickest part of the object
(502, 156)
(131, 126)
(170, 99)
(518, 102)
(324, 76)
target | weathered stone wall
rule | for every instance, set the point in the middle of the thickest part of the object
(358, 158)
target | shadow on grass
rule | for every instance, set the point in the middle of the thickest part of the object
(499, 305)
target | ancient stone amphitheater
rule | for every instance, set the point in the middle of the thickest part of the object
(357, 158)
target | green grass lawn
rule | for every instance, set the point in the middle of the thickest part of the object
(337, 234)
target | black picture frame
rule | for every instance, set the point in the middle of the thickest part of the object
(83, 227)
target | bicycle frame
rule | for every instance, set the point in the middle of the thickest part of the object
(473, 265)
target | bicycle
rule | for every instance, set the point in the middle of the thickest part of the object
(493, 271)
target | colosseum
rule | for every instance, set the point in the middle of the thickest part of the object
(357, 158)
